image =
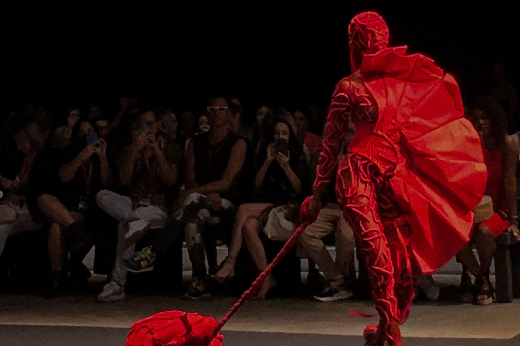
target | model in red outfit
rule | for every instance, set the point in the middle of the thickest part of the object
(413, 172)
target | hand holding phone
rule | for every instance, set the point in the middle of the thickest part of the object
(142, 128)
(92, 138)
(281, 146)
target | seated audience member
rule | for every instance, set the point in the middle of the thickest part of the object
(188, 124)
(317, 117)
(214, 162)
(263, 125)
(168, 130)
(238, 121)
(278, 183)
(167, 124)
(94, 114)
(61, 136)
(330, 221)
(311, 141)
(14, 212)
(70, 208)
(202, 124)
(147, 169)
(501, 157)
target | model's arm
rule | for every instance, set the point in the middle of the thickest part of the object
(510, 162)
(335, 130)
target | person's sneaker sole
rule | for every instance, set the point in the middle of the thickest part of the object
(111, 298)
(206, 295)
(338, 296)
(144, 270)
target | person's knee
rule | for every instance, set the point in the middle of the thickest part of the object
(55, 229)
(485, 235)
(45, 200)
(308, 238)
(250, 228)
(102, 197)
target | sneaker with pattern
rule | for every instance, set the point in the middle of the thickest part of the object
(141, 261)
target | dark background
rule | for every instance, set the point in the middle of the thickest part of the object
(176, 53)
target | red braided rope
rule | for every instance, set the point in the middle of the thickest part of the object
(255, 286)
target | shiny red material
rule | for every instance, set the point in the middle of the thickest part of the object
(440, 174)
(174, 328)
(495, 183)
(413, 172)
(368, 33)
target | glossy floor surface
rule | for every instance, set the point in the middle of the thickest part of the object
(81, 320)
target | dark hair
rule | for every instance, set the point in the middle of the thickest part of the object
(295, 149)
(304, 111)
(496, 115)
(161, 112)
(259, 131)
(233, 107)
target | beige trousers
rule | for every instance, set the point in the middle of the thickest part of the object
(330, 221)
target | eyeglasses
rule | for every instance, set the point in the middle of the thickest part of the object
(216, 109)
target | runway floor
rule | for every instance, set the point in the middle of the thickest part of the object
(81, 320)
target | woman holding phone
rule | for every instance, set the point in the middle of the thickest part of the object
(278, 183)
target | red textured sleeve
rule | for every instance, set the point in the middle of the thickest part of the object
(335, 130)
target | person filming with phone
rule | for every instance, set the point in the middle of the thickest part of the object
(148, 170)
(83, 172)
(281, 177)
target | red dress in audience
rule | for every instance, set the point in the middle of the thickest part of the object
(495, 189)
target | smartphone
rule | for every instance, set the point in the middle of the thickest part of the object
(281, 146)
(142, 128)
(92, 138)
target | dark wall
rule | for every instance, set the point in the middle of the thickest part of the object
(163, 52)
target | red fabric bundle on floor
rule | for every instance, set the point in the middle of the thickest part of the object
(174, 328)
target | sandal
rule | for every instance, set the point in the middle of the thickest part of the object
(485, 292)
(219, 283)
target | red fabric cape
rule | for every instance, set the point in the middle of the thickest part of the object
(441, 173)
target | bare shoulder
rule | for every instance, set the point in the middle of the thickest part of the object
(240, 144)
(512, 144)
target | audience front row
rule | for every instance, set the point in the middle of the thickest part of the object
(160, 184)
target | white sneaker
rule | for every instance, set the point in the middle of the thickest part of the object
(136, 230)
(111, 292)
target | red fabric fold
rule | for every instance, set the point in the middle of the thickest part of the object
(174, 328)
(440, 174)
